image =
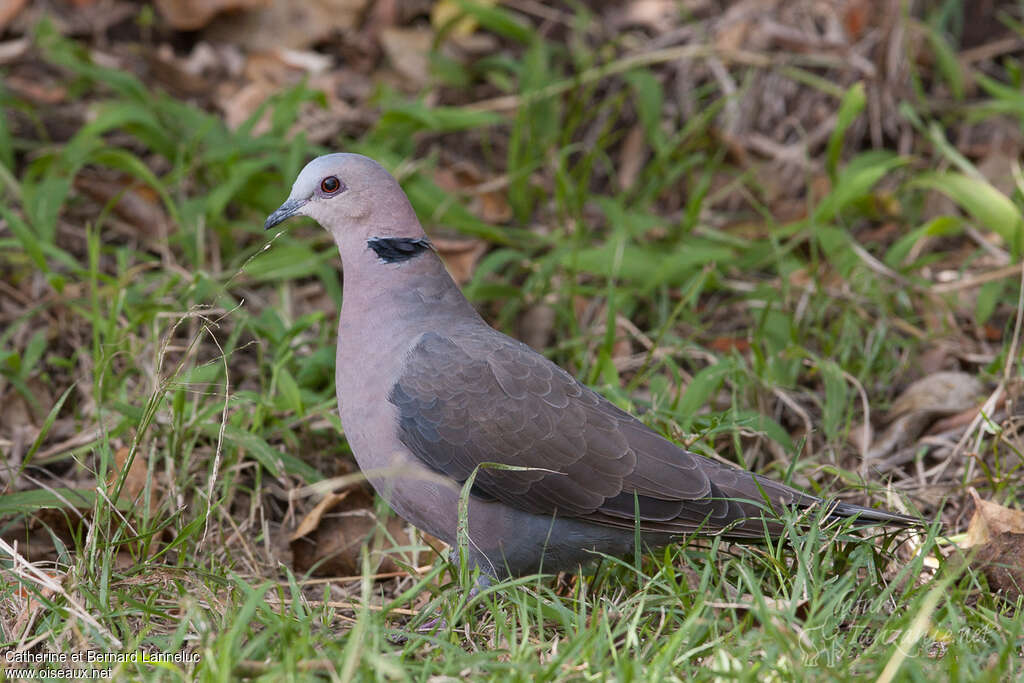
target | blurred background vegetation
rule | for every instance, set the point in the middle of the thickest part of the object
(786, 233)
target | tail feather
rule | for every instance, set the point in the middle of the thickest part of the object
(761, 493)
(873, 515)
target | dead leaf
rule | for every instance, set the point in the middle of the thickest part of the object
(13, 50)
(408, 50)
(460, 256)
(335, 531)
(241, 104)
(824, 277)
(657, 16)
(935, 358)
(731, 35)
(287, 24)
(183, 77)
(632, 157)
(932, 397)
(189, 15)
(8, 10)
(855, 18)
(537, 325)
(135, 204)
(1000, 561)
(727, 344)
(312, 519)
(943, 392)
(492, 207)
(622, 347)
(961, 419)
(997, 534)
(135, 479)
(41, 92)
(991, 519)
(487, 201)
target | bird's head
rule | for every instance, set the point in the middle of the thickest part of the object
(351, 196)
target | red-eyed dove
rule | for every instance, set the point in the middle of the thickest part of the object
(428, 391)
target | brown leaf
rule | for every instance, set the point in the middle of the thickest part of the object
(408, 51)
(486, 200)
(732, 35)
(855, 18)
(184, 77)
(41, 92)
(921, 404)
(189, 15)
(632, 157)
(941, 393)
(726, 344)
(460, 256)
(287, 24)
(622, 347)
(935, 358)
(823, 276)
(8, 10)
(312, 519)
(135, 479)
(991, 519)
(537, 325)
(137, 205)
(657, 16)
(243, 102)
(492, 207)
(1000, 561)
(997, 534)
(335, 531)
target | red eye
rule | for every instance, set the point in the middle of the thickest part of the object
(330, 184)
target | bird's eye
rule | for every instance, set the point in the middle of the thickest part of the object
(330, 184)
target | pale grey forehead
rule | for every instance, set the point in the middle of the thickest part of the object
(346, 166)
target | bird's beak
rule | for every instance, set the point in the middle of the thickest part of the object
(284, 212)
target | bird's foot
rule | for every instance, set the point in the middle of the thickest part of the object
(438, 623)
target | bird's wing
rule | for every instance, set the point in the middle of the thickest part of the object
(477, 396)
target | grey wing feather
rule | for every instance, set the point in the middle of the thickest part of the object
(478, 396)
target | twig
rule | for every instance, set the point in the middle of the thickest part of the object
(218, 452)
(344, 604)
(977, 280)
(373, 577)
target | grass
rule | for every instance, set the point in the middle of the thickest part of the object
(196, 367)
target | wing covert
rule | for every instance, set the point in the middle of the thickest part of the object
(477, 396)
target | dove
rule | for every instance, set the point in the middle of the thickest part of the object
(430, 395)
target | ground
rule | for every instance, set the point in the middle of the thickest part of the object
(787, 234)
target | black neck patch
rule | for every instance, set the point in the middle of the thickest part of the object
(398, 249)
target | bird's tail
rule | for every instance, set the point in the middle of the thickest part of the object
(874, 516)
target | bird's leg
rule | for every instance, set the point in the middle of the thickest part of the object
(483, 581)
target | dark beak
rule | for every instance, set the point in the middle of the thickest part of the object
(284, 212)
